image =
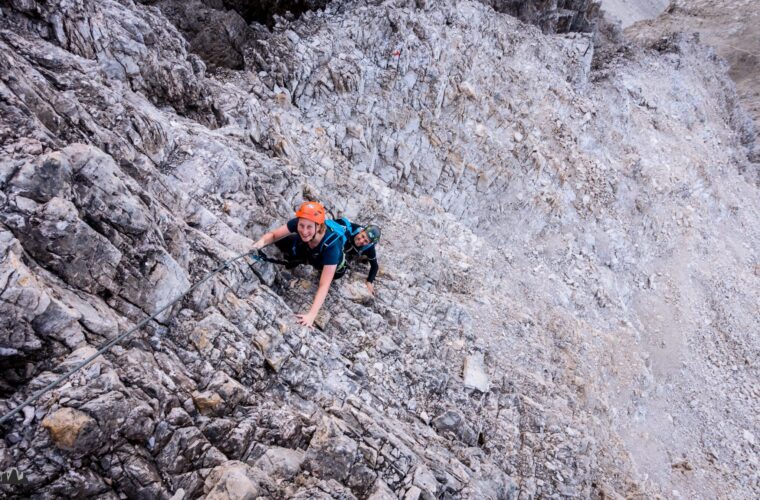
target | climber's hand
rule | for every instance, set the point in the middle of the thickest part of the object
(306, 319)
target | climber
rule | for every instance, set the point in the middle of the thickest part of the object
(360, 242)
(307, 238)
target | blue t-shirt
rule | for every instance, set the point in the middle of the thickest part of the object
(320, 256)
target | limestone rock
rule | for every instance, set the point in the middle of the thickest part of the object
(531, 189)
(357, 292)
(232, 480)
(413, 493)
(425, 479)
(47, 177)
(475, 376)
(386, 345)
(280, 462)
(381, 491)
(73, 430)
(272, 344)
(183, 452)
(331, 454)
(80, 255)
(452, 421)
(208, 402)
(228, 388)
(573, 15)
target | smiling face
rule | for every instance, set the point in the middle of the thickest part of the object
(361, 239)
(306, 230)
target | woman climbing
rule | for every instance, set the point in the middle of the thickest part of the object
(306, 238)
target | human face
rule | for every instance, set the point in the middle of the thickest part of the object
(307, 229)
(361, 239)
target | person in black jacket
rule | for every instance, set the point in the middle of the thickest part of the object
(361, 242)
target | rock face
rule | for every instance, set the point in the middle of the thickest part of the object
(217, 34)
(566, 305)
(552, 16)
(628, 13)
(727, 27)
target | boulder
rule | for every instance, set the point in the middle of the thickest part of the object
(453, 422)
(280, 463)
(475, 376)
(425, 479)
(208, 402)
(232, 480)
(46, 177)
(228, 388)
(381, 491)
(57, 237)
(73, 430)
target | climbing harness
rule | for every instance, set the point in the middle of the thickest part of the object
(115, 340)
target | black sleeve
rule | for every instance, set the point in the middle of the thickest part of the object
(373, 265)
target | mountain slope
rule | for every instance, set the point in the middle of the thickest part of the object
(582, 215)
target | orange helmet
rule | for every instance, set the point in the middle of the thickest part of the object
(313, 211)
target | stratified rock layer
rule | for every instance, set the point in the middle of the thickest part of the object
(570, 218)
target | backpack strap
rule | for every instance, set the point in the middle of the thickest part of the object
(337, 231)
(330, 239)
(347, 223)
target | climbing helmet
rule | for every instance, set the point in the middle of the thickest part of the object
(313, 211)
(373, 233)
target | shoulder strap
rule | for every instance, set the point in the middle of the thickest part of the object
(336, 232)
(331, 238)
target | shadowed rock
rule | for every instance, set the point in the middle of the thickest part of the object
(331, 454)
(454, 422)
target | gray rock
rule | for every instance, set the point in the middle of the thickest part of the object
(179, 417)
(232, 480)
(425, 479)
(60, 323)
(386, 345)
(280, 463)
(452, 421)
(551, 16)
(105, 194)
(331, 455)
(228, 388)
(413, 493)
(381, 491)
(526, 185)
(47, 177)
(183, 450)
(475, 376)
(60, 240)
